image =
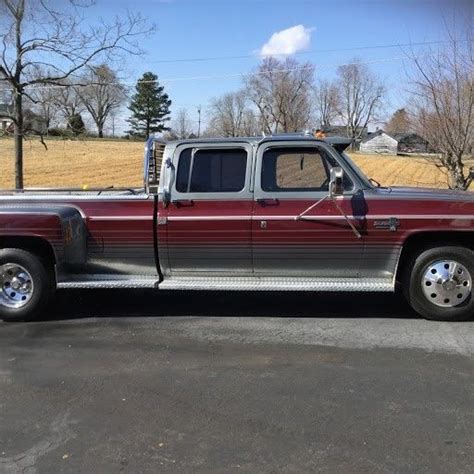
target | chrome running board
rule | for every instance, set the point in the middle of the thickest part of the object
(107, 281)
(237, 283)
(257, 283)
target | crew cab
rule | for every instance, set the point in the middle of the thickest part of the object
(278, 213)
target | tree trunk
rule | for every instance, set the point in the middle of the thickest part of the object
(18, 137)
(101, 133)
(457, 175)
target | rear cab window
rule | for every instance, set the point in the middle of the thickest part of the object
(213, 170)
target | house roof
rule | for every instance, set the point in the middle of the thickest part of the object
(376, 134)
(401, 137)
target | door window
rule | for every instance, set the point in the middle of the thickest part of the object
(290, 169)
(211, 171)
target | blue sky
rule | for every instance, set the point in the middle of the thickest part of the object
(220, 28)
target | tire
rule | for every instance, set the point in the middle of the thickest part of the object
(27, 285)
(438, 289)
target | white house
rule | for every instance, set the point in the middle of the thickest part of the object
(379, 142)
(398, 143)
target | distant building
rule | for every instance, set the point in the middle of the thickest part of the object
(5, 120)
(382, 142)
(411, 143)
(379, 142)
(33, 123)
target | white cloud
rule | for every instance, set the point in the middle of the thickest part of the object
(289, 41)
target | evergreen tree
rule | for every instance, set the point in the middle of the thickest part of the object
(149, 107)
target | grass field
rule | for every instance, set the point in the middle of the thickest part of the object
(96, 163)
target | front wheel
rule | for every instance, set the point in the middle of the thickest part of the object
(438, 283)
(26, 285)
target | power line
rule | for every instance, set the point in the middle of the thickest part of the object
(234, 75)
(296, 69)
(314, 51)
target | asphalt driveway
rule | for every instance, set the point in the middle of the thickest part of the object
(135, 381)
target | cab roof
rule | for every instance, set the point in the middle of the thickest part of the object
(339, 143)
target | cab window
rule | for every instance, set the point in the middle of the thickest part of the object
(293, 169)
(211, 171)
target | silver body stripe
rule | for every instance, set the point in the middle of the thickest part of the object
(291, 218)
(121, 218)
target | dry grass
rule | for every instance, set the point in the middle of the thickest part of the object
(400, 170)
(97, 163)
(392, 170)
(75, 163)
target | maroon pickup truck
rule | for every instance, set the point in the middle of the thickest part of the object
(276, 213)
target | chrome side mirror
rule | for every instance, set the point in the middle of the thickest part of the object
(336, 182)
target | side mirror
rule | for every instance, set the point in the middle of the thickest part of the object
(471, 172)
(336, 182)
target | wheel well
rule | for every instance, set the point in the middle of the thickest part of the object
(36, 245)
(419, 242)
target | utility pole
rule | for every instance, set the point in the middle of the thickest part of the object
(199, 120)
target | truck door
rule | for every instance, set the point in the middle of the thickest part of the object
(291, 177)
(209, 215)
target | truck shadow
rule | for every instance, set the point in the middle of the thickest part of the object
(76, 304)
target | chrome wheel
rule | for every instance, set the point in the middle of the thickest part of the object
(16, 285)
(446, 283)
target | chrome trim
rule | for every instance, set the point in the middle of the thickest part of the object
(209, 218)
(446, 283)
(66, 197)
(93, 282)
(121, 218)
(325, 217)
(16, 285)
(277, 284)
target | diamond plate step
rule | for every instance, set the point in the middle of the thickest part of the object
(277, 284)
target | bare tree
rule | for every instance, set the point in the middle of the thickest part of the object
(102, 95)
(46, 105)
(181, 126)
(361, 96)
(281, 91)
(43, 35)
(67, 100)
(444, 105)
(231, 116)
(250, 125)
(400, 122)
(327, 102)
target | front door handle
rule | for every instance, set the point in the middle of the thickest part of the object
(183, 202)
(268, 201)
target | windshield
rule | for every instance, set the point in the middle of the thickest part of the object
(365, 180)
